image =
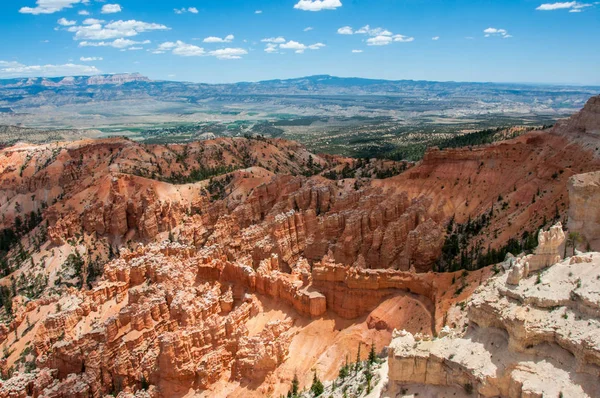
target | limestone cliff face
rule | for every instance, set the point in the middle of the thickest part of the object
(584, 209)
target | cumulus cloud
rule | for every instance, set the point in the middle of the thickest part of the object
(83, 12)
(92, 21)
(357, 51)
(298, 47)
(496, 32)
(95, 30)
(378, 36)
(435, 38)
(90, 59)
(214, 39)
(317, 5)
(228, 53)
(189, 50)
(572, 6)
(258, 12)
(381, 40)
(111, 8)
(271, 48)
(308, 28)
(345, 30)
(192, 10)
(49, 6)
(15, 69)
(66, 22)
(278, 39)
(118, 43)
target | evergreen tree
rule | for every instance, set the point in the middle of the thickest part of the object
(357, 366)
(317, 387)
(372, 354)
(295, 385)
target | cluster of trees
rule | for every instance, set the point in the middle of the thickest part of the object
(312, 167)
(363, 167)
(459, 252)
(200, 174)
(346, 172)
(76, 263)
(317, 388)
(10, 236)
(216, 187)
(415, 151)
(482, 137)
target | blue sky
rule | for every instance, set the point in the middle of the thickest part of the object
(234, 40)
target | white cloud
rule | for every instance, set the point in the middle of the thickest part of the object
(66, 22)
(403, 39)
(298, 47)
(214, 39)
(15, 69)
(258, 12)
(189, 50)
(367, 30)
(278, 39)
(90, 59)
(113, 30)
(118, 43)
(92, 21)
(378, 36)
(271, 48)
(49, 6)
(111, 8)
(496, 32)
(357, 51)
(317, 5)
(381, 40)
(345, 30)
(435, 38)
(572, 6)
(308, 28)
(183, 10)
(83, 12)
(228, 53)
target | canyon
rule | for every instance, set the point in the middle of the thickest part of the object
(224, 268)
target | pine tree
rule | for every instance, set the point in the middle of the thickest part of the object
(295, 385)
(357, 366)
(317, 387)
(372, 354)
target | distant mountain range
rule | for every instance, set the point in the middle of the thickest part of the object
(27, 92)
(74, 81)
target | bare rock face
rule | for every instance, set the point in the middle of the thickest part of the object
(537, 339)
(587, 120)
(547, 252)
(584, 208)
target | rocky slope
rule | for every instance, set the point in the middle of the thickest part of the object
(531, 336)
(223, 268)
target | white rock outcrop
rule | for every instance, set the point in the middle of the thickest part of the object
(540, 338)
